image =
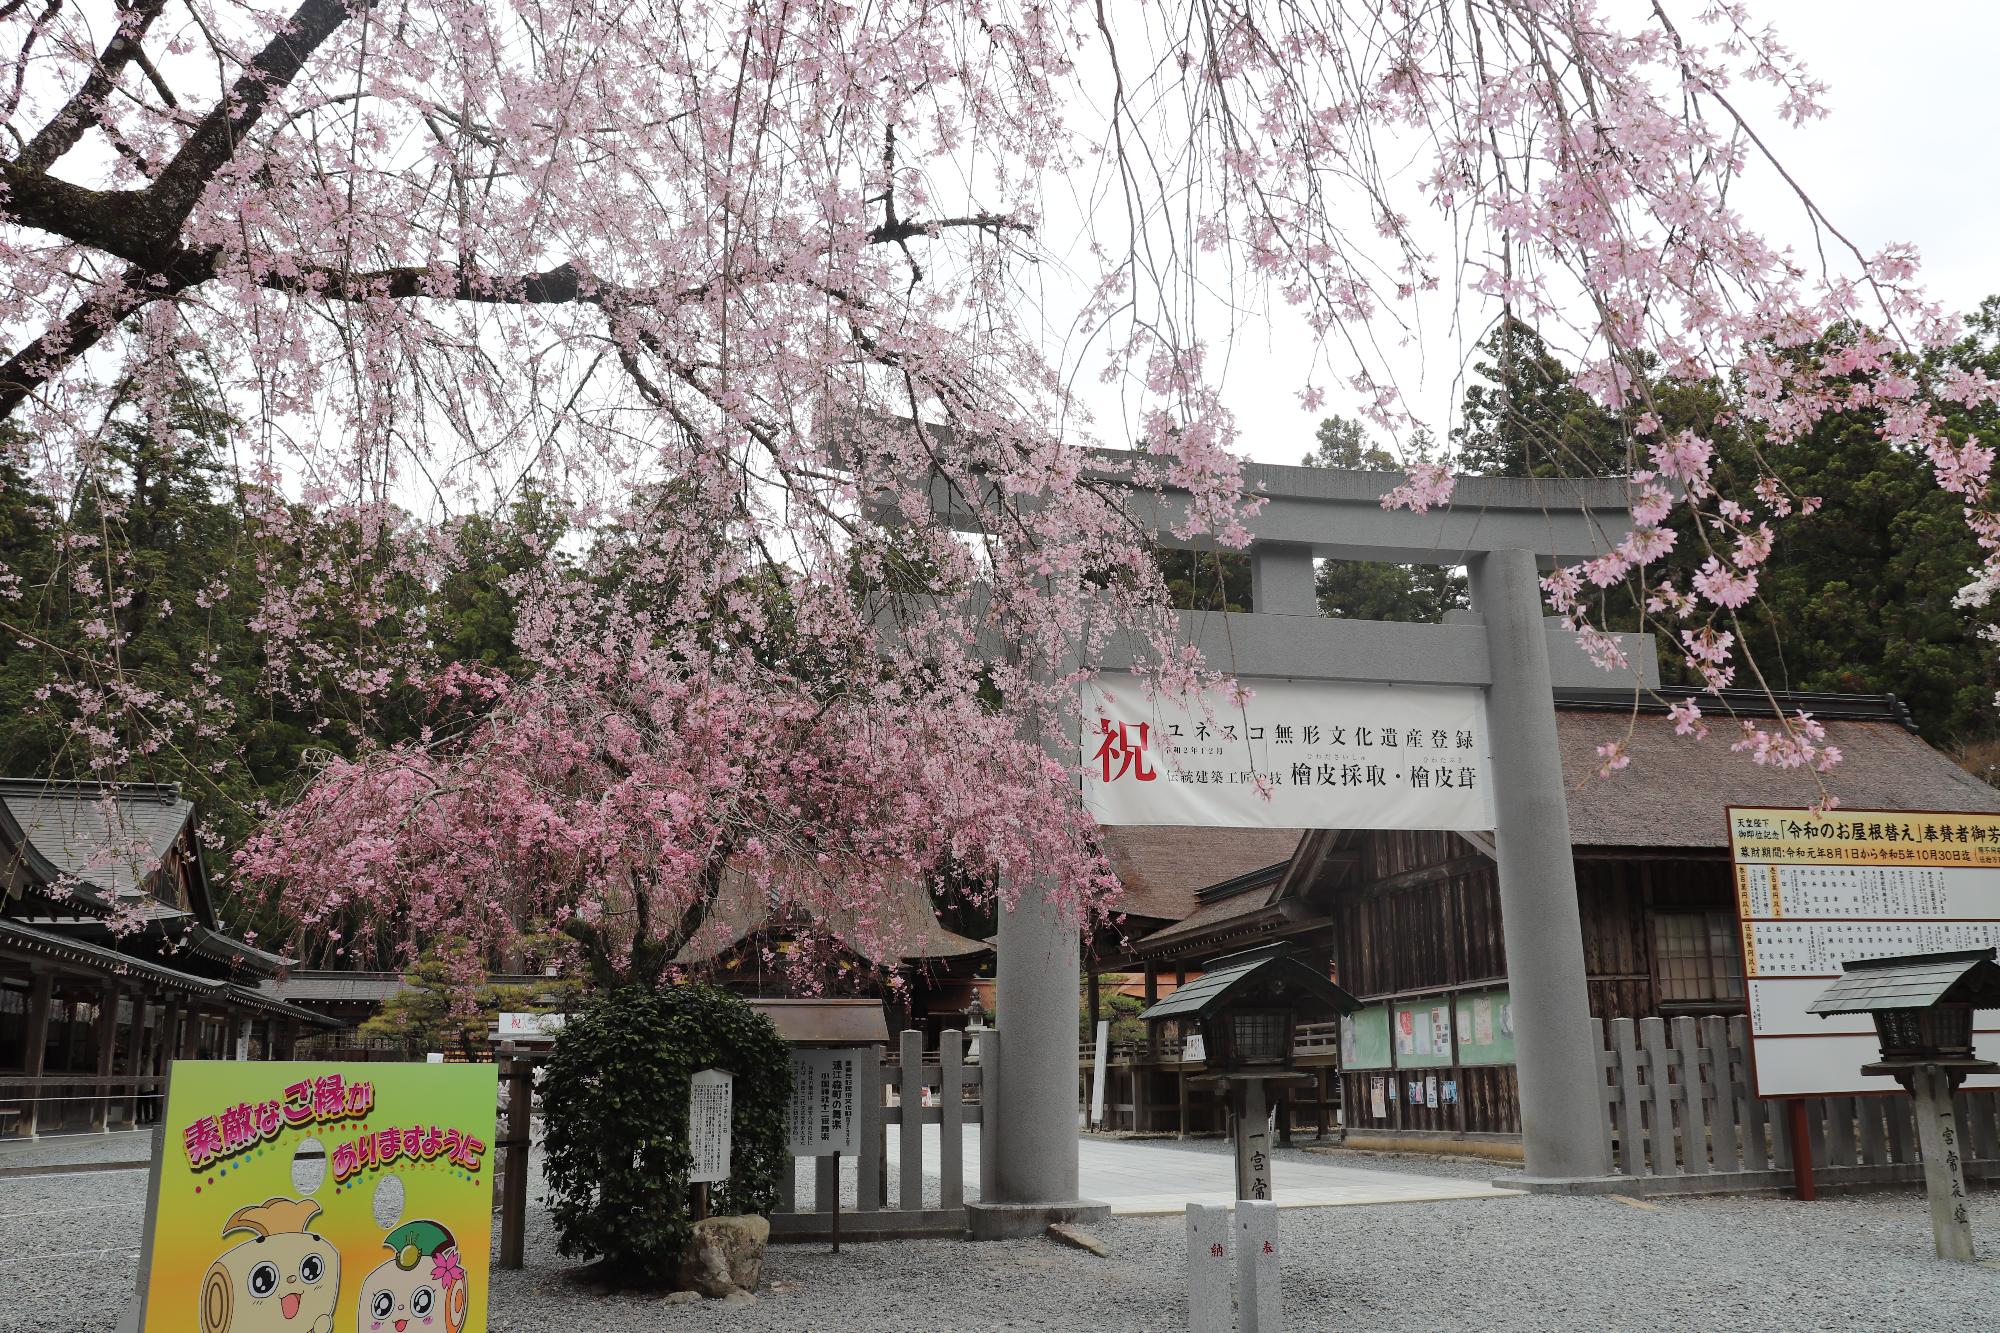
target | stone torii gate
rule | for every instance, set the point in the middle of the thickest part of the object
(1505, 531)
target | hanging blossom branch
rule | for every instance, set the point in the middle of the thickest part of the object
(744, 290)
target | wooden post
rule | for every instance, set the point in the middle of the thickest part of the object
(951, 1120)
(514, 1189)
(1802, 1167)
(1944, 1165)
(871, 1159)
(835, 1159)
(1253, 1142)
(911, 1093)
(135, 1050)
(34, 1055)
(107, 1045)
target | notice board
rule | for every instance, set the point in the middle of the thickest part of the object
(1486, 1028)
(1421, 1033)
(1364, 1038)
(1816, 889)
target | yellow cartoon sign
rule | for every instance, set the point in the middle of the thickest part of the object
(310, 1198)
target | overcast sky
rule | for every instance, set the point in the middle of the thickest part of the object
(1907, 154)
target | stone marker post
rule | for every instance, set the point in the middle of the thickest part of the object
(1944, 1164)
(1208, 1269)
(1259, 1308)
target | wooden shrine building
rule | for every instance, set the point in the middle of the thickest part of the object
(1409, 922)
(112, 961)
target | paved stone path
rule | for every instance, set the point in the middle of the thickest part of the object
(1140, 1177)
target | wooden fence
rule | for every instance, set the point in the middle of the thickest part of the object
(913, 1089)
(1680, 1112)
(954, 1090)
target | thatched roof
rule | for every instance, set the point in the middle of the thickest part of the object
(903, 930)
(1676, 791)
(1162, 868)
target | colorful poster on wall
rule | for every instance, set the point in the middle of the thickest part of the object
(1406, 1027)
(303, 1197)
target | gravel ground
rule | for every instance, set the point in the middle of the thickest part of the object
(67, 1260)
(121, 1145)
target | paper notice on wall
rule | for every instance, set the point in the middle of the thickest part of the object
(1406, 1026)
(1464, 1025)
(1441, 1030)
(1507, 1018)
(1420, 1032)
(1482, 1021)
(1448, 1092)
(1430, 1090)
(1378, 1097)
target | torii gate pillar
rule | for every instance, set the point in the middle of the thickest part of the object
(1562, 1115)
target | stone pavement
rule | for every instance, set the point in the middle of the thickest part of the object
(1138, 1177)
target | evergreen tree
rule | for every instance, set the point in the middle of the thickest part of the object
(1372, 589)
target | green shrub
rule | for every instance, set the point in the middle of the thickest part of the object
(615, 1115)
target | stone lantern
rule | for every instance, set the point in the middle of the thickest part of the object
(1922, 1006)
(1248, 1006)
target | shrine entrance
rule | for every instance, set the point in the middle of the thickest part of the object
(1476, 695)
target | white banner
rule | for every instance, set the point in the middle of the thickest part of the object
(826, 1099)
(1298, 754)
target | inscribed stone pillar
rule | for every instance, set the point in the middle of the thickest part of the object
(1557, 1065)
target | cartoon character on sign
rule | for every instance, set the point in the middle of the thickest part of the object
(284, 1279)
(420, 1286)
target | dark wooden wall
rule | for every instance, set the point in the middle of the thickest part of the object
(1429, 915)
(1426, 917)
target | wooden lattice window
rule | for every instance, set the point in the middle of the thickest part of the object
(1697, 957)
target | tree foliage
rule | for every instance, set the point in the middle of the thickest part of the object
(719, 294)
(615, 1151)
(1375, 589)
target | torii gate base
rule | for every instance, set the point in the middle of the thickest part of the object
(1033, 1182)
(1503, 530)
